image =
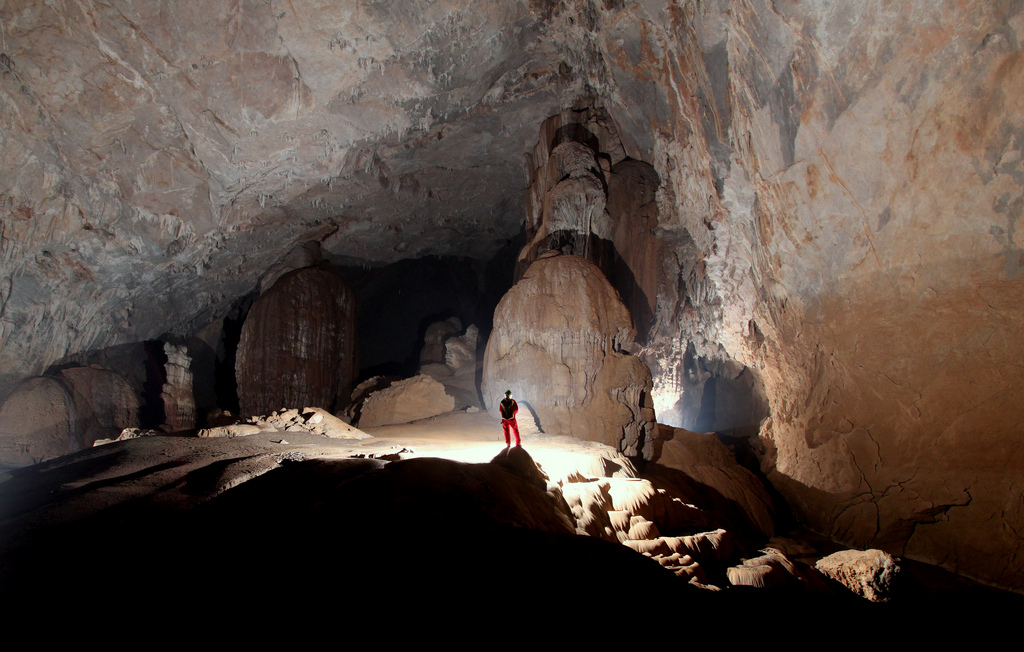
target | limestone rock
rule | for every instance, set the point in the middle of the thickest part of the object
(868, 573)
(298, 344)
(48, 417)
(319, 421)
(460, 351)
(619, 509)
(457, 370)
(129, 433)
(105, 402)
(313, 420)
(435, 337)
(774, 569)
(559, 343)
(415, 398)
(38, 421)
(235, 430)
(179, 402)
(716, 477)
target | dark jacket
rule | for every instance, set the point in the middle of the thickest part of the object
(508, 408)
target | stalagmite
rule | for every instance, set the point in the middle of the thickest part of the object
(560, 343)
(298, 344)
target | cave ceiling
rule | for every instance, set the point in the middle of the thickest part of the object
(160, 156)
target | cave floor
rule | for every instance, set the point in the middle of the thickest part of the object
(106, 512)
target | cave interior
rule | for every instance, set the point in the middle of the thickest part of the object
(789, 224)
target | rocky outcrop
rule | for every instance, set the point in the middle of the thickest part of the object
(50, 416)
(38, 421)
(868, 573)
(179, 402)
(435, 337)
(298, 344)
(712, 476)
(105, 403)
(849, 184)
(560, 343)
(457, 365)
(407, 400)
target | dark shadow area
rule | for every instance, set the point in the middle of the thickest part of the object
(416, 541)
(225, 384)
(397, 302)
(151, 407)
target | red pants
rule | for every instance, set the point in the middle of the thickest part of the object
(506, 424)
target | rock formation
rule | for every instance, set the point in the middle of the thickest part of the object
(560, 343)
(298, 344)
(457, 366)
(105, 402)
(38, 421)
(179, 403)
(435, 337)
(407, 400)
(829, 264)
(50, 416)
(868, 573)
(713, 478)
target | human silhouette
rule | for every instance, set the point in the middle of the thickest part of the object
(509, 407)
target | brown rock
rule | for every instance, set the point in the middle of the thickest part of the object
(868, 573)
(48, 417)
(235, 430)
(104, 401)
(38, 421)
(323, 422)
(298, 344)
(721, 484)
(179, 402)
(773, 569)
(559, 343)
(415, 398)
(620, 509)
(435, 337)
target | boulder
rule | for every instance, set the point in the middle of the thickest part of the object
(868, 573)
(774, 569)
(297, 345)
(415, 398)
(561, 343)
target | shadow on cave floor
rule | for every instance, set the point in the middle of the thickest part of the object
(412, 540)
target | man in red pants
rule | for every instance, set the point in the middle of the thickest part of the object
(509, 407)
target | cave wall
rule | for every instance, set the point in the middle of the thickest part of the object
(849, 174)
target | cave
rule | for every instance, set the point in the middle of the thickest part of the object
(788, 227)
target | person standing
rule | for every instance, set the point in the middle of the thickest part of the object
(509, 407)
